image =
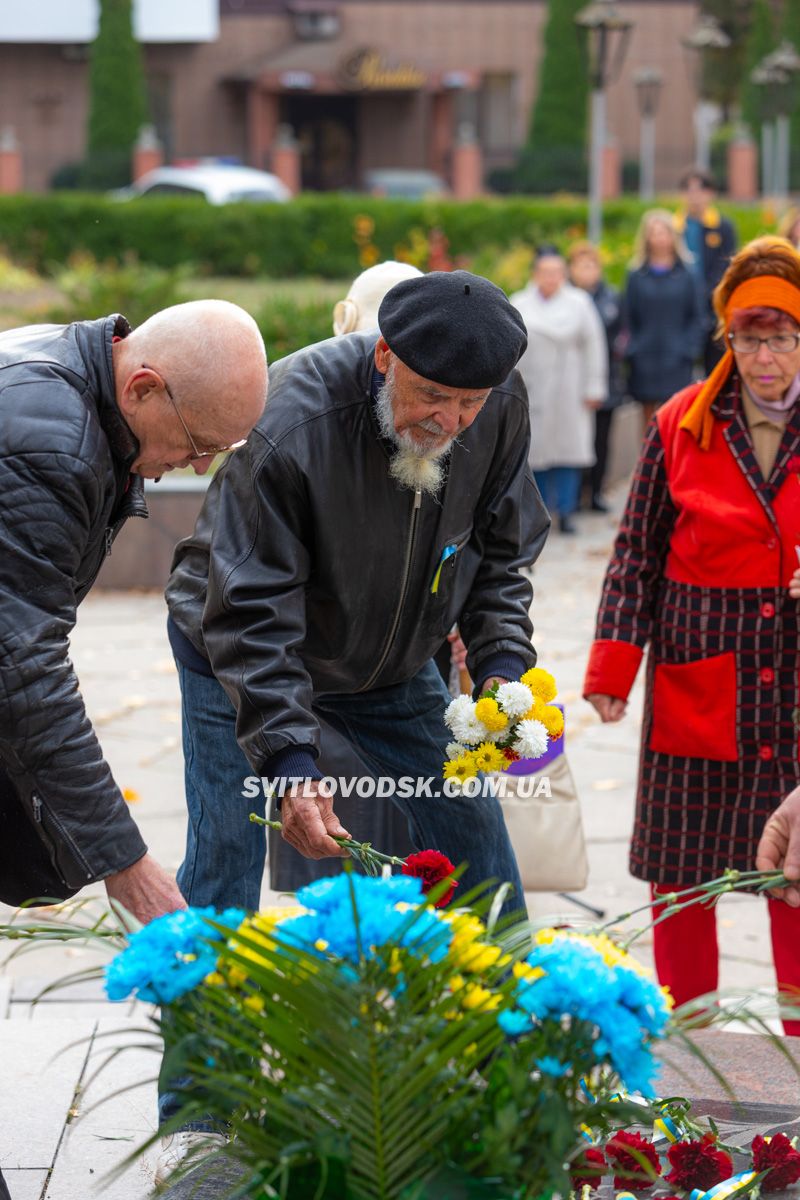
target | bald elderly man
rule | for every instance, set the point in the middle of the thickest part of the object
(88, 411)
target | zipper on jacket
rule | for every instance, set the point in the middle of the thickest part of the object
(109, 539)
(65, 840)
(412, 534)
(36, 801)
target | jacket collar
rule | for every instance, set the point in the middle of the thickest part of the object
(95, 340)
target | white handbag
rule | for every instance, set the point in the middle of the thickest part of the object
(546, 831)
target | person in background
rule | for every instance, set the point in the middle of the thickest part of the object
(711, 241)
(565, 371)
(373, 819)
(586, 272)
(789, 226)
(704, 571)
(661, 313)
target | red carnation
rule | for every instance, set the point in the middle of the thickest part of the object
(588, 1168)
(698, 1164)
(778, 1156)
(632, 1172)
(431, 867)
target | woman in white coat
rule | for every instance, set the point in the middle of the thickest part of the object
(565, 369)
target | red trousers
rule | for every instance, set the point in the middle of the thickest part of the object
(687, 958)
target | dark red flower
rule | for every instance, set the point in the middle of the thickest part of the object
(776, 1155)
(510, 755)
(431, 867)
(793, 464)
(588, 1168)
(698, 1164)
(629, 1171)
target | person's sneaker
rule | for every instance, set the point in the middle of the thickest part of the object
(184, 1148)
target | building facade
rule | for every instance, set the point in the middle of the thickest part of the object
(361, 84)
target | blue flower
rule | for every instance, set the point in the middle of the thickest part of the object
(170, 956)
(334, 903)
(514, 1022)
(551, 1066)
(625, 1008)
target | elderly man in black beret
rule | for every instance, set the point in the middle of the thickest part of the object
(383, 496)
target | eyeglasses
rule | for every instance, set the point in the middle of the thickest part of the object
(196, 452)
(778, 343)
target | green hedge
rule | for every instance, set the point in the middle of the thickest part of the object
(333, 236)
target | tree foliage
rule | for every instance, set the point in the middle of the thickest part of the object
(554, 157)
(117, 107)
(761, 40)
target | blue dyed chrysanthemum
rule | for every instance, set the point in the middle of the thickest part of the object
(334, 902)
(170, 956)
(626, 1008)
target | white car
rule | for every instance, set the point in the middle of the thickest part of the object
(216, 183)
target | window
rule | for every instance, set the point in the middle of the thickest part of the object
(498, 112)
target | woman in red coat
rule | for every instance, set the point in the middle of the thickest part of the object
(700, 572)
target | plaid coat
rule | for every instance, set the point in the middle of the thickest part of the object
(700, 572)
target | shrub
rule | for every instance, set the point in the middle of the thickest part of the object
(91, 289)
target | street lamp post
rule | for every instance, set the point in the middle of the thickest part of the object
(784, 63)
(648, 85)
(707, 37)
(607, 33)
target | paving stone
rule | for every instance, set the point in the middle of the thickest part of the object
(25, 1184)
(44, 1060)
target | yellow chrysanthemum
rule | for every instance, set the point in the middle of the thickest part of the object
(460, 768)
(536, 711)
(488, 758)
(467, 952)
(256, 1003)
(611, 954)
(456, 983)
(541, 683)
(523, 970)
(553, 721)
(475, 998)
(488, 711)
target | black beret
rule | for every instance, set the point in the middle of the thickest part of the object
(453, 328)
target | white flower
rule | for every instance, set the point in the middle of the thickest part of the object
(457, 710)
(515, 699)
(455, 750)
(472, 732)
(531, 739)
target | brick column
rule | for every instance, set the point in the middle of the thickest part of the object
(742, 169)
(610, 182)
(10, 162)
(148, 153)
(286, 159)
(262, 125)
(467, 165)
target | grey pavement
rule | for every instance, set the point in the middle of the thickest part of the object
(67, 1123)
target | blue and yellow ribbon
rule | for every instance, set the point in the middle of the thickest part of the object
(448, 552)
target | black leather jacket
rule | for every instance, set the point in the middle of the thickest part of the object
(310, 570)
(65, 492)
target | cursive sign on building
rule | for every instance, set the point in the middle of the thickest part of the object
(366, 70)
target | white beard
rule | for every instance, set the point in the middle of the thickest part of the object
(415, 465)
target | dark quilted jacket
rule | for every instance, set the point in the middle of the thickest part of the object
(65, 491)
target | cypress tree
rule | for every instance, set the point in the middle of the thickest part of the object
(554, 156)
(117, 107)
(761, 41)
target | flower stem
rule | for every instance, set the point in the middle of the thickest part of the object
(363, 852)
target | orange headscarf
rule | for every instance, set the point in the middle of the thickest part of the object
(767, 291)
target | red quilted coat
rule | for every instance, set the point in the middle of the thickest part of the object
(700, 572)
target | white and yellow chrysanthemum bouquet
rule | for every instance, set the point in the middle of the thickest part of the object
(507, 722)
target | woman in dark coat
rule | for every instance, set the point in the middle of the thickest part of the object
(701, 572)
(662, 314)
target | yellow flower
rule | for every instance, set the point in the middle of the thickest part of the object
(321, 945)
(456, 983)
(460, 768)
(479, 999)
(523, 970)
(256, 1003)
(553, 721)
(215, 979)
(541, 683)
(537, 710)
(467, 952)
(488, 711)
(488, 758)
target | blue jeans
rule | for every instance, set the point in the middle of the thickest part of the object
(397, 731)
(560, 488)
